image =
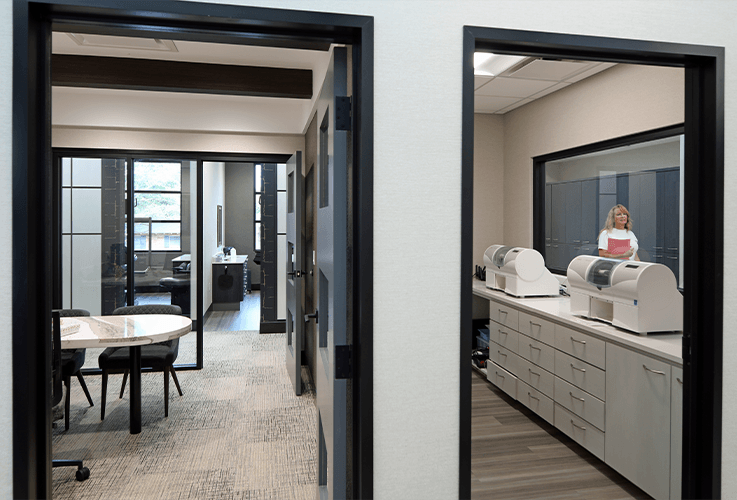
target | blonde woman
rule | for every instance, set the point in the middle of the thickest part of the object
(616, 240)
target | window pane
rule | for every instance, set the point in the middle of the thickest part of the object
(257, 210)
(257, 175)
(158, 206)
(257, 242)
(156, 176)
(166, 236)
(140, 236)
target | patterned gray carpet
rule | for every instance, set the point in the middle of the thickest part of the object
(239, 431)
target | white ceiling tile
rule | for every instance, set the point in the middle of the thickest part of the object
(549, 70)
(596, 68)
(486, 104)
(479, 80)
(550, 90)
(513, 87)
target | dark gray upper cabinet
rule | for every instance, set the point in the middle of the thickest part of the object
(671, 209)
(558, 222)
(548, 212)
(573, 212)
(623, 190)
(589, 226)
(646, 214)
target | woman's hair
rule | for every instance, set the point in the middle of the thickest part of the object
(609, 225)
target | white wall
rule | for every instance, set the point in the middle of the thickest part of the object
(6, 256)
(213, 194)
(417, 197)
(488, 184)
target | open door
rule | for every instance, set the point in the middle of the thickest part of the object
(332, 273)
(295, 267)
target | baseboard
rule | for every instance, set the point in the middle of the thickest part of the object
(279, 326)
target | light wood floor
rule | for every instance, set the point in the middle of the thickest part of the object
(517, 455)
(248, 318)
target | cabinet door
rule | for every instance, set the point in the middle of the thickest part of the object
(548, 212)
(558, 222)
(638, 410)
(623, 190)
(573, 212)
(606, 202)
(589, 227)
(676, 432)
(671, 215)
(645, 218)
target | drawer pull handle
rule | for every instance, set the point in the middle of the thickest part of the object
(574, 425)
(499, 375)
(532, 397)
(574, 397)
(535, 324)
(530, 370)
(536, 348)
(581, 369)
(502, 311)
(502, 332)
(579, 341)
(679, 380)
(653, 371)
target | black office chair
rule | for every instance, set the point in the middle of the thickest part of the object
(56, 372)
(72, 361)
(157, 357)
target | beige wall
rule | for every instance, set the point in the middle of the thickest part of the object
(488, 184)
(619, 101)
(165, 140)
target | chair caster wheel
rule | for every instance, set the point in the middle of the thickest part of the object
(83, 473)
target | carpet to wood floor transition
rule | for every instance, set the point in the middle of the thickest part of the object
(239, 431)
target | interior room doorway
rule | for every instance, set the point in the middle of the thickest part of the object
(703, 252)
(186, 21)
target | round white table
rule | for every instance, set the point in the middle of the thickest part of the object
(124, 331)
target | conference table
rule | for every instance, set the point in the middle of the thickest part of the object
(130, 331)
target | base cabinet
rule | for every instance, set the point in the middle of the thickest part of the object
(638, 426)
(622, 405)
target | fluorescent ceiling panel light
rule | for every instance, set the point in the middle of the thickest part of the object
(486, 63)
(123, 42)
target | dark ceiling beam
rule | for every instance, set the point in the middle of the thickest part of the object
(175, 76)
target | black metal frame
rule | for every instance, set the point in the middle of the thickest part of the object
(704, 229)
(33, 176)
(538, 172)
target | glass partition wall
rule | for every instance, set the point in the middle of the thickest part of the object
(644, 176)
(99, 270)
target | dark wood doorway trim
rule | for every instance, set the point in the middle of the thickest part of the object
(32, 188)
(704, 229)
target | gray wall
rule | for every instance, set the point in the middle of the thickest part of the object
(239, 206)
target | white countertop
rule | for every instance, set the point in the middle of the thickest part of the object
(665, 346)
(238, 259)
(117, 331)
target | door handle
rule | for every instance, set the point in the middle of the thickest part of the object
(313, 315)
(295, 274)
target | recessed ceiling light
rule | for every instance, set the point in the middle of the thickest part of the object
(488, 64)
(123, 42)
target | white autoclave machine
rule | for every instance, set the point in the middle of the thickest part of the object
(519, 271)
(639, 296)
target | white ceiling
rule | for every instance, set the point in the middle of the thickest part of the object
(530, 80)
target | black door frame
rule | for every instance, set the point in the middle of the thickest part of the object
(704, 229)
(32, 181)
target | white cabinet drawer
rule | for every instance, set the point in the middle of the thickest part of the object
(536, 352)
(536, 401)
(502, 357)
(537, 328)
(580, 345)
(533, 375)
(580, 402)
(583, 375)
(502, 379)
(505, 315)
(504, 336)
(580, 431)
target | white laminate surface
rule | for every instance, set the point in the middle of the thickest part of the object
(666, 346)
(108, 331)
(238, 259)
